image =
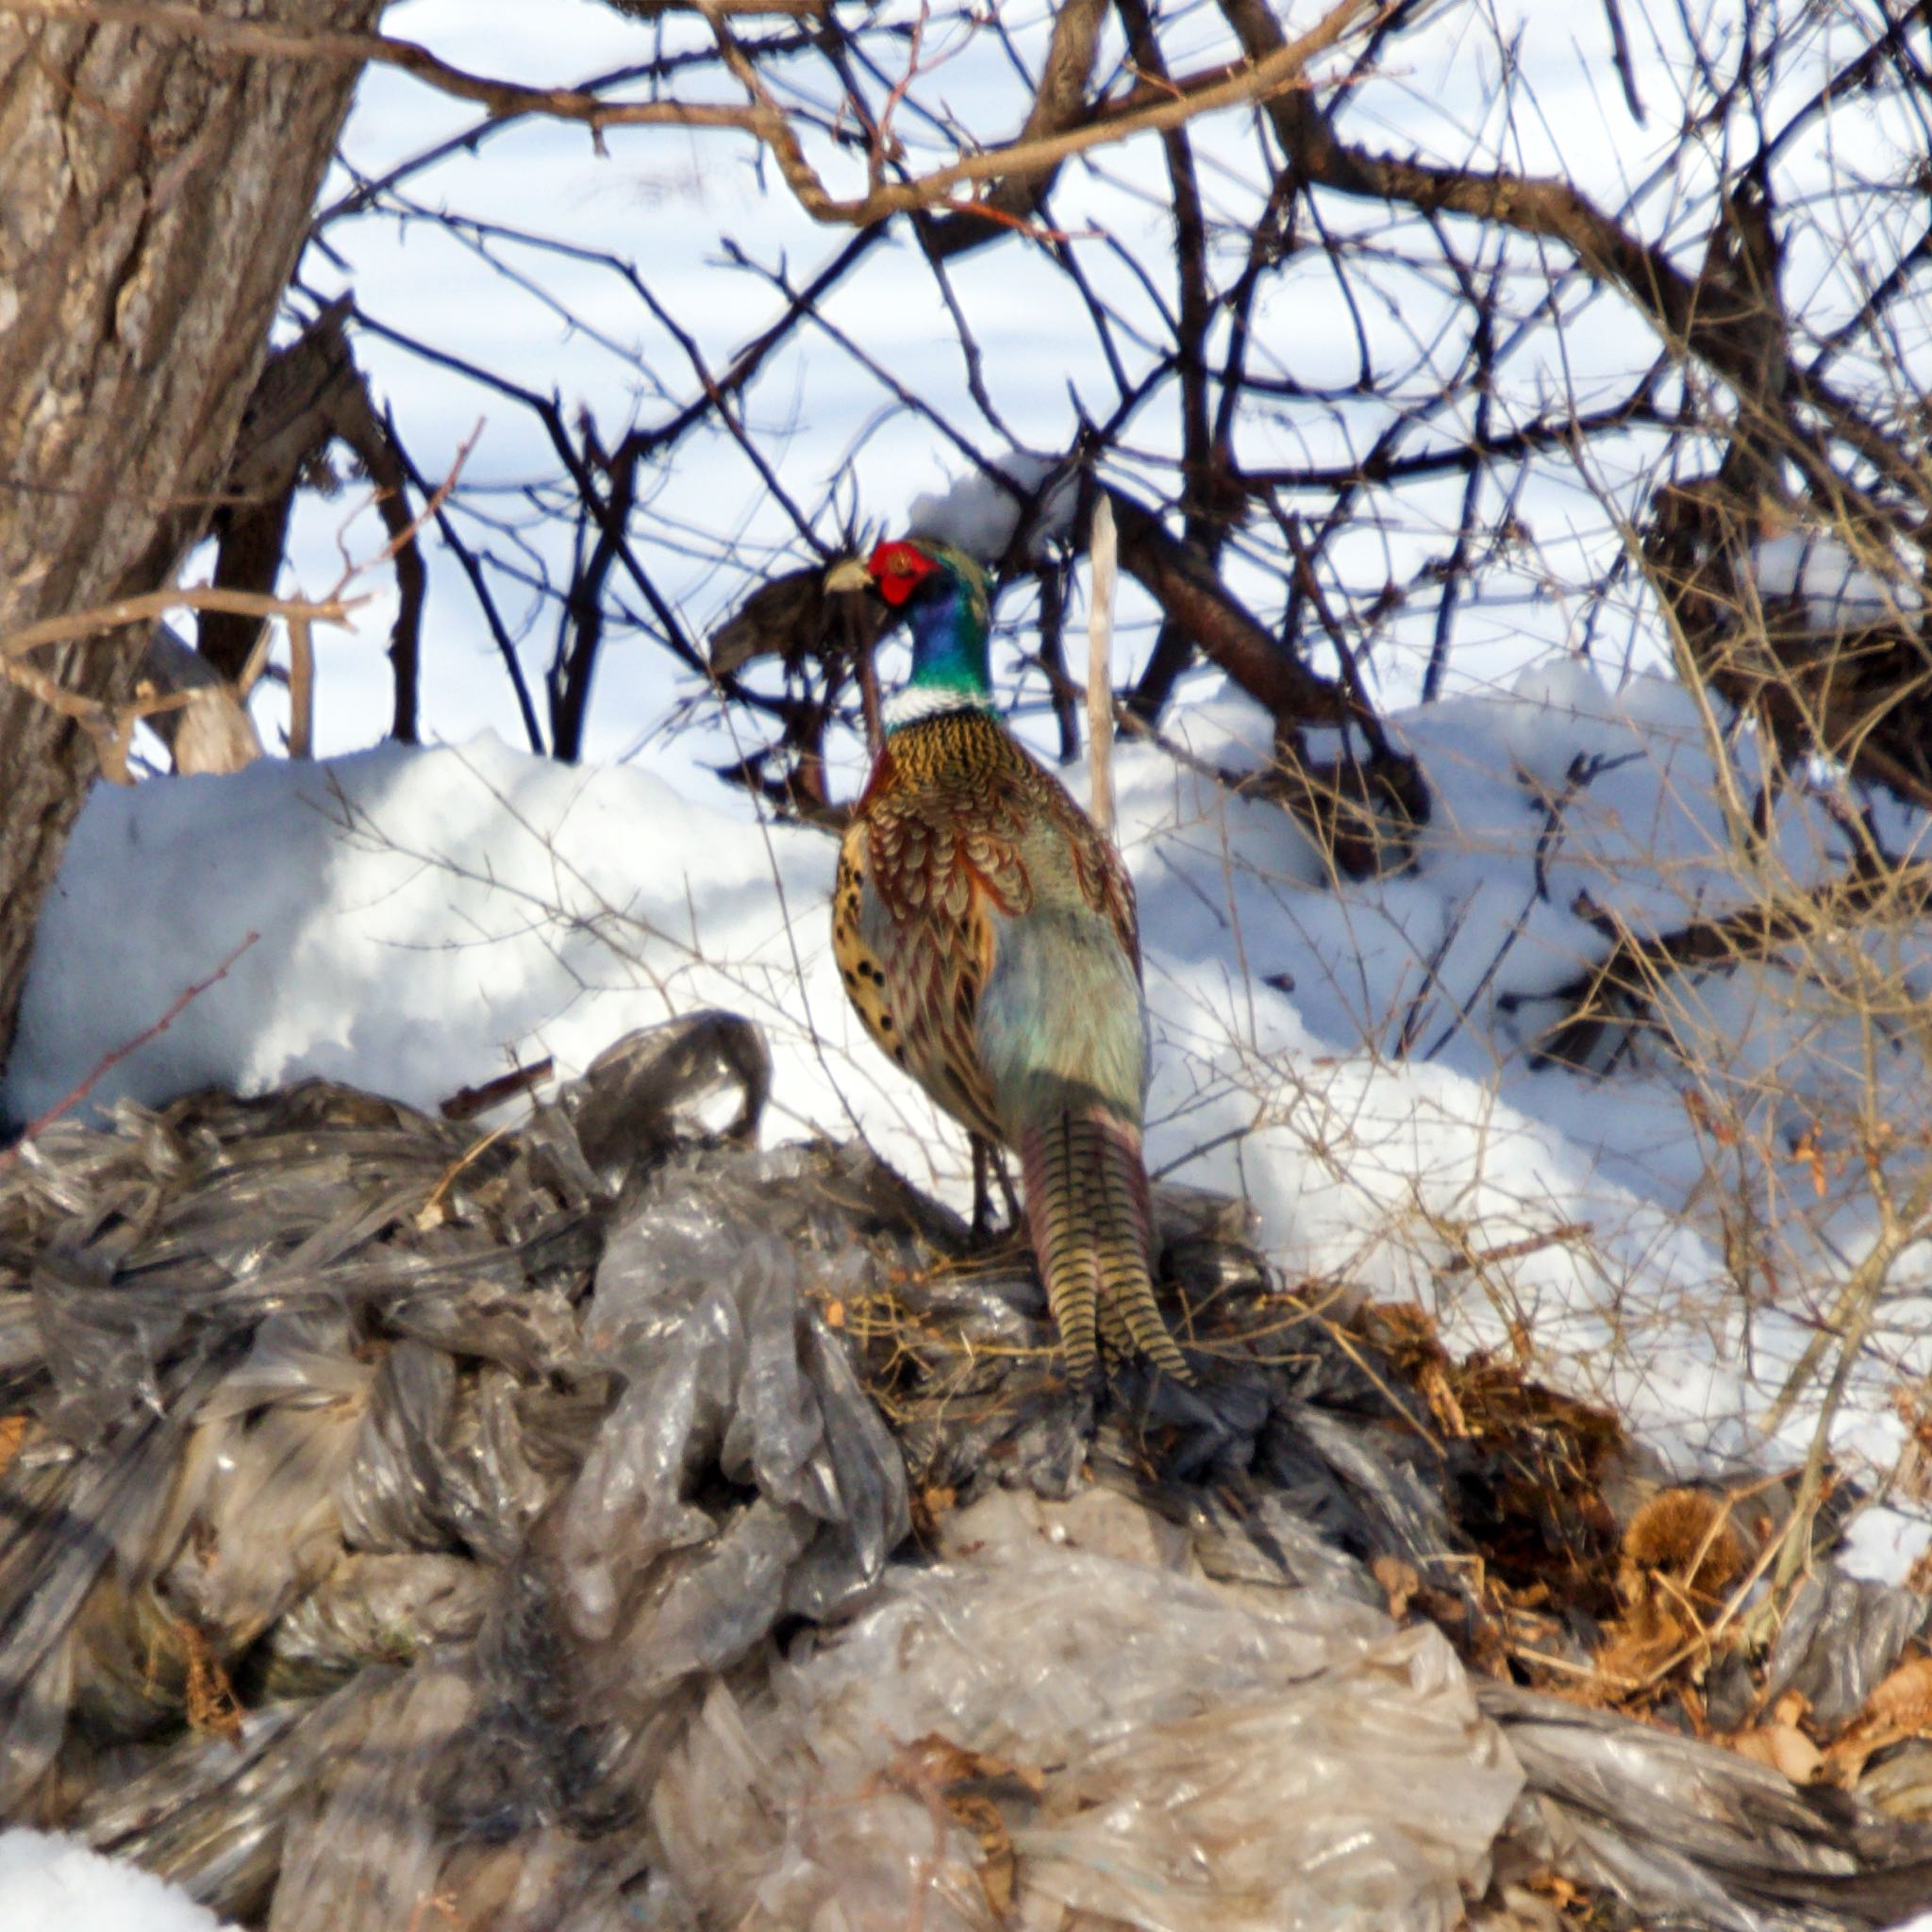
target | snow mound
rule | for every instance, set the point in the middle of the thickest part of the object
(51, 1883)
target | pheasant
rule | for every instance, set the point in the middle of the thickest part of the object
(986, 933)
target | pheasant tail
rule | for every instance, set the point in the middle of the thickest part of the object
(1092, 1219)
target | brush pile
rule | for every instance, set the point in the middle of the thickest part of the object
(602, 1523)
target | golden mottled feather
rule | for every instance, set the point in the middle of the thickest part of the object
(963, 845)
(937, 838)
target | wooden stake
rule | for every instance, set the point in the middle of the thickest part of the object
(1104, 550)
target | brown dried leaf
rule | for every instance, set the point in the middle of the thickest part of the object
(213, 1706)
(969, 1786)
(1400, 1580)
(1783, 1747)
(1904, 1699)
(1900, 1706)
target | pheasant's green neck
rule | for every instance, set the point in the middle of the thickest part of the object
(949, 656)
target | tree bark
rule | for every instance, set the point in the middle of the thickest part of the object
(152, 200)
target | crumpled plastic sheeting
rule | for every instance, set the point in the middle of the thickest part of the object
(1899, 1782)
(277, 1343)
(213, 1812)
(662, 1086)
(1158, 1756)
(373, 1607)
(1303, 1443)
(743, 1477)
(477, 1466)
(1840, 1637)
(1687, 1830)
(365, 1850)
(708, 1318)
(72, 1573)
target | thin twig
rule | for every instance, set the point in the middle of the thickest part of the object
(144, 609)
(108, 1060)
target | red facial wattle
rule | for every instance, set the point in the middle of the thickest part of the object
(898, 570)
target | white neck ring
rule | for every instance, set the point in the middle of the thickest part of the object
(916, 703)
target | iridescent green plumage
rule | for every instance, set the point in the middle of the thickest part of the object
(986, 933)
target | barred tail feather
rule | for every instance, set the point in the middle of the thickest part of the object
(1092, 1225)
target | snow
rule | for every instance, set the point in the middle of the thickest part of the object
(1841, 593)
(979, 512)
(1355, 1058)
(51, 1883)
(1880, 1547)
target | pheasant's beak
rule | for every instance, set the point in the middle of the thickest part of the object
(848, 574)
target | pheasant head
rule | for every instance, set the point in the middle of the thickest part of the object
(943, 594)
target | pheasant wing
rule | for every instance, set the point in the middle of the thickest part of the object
(911, 929)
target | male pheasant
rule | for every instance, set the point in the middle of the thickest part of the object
(986, 933)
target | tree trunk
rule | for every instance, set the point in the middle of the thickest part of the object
(153, 196)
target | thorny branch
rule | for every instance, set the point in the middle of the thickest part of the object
(113, 1057)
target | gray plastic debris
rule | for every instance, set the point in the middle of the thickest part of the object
(408, 1524)
(1839, 1639)
(709, 1320)
(363, 1848)
(374, 1610)
(77, 1626)
(742, 1477)
(655, 1088)
(1710, 1838)
(1123, 1741)
(211, 1812)
(1900, 1782)
(1246, 1533)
